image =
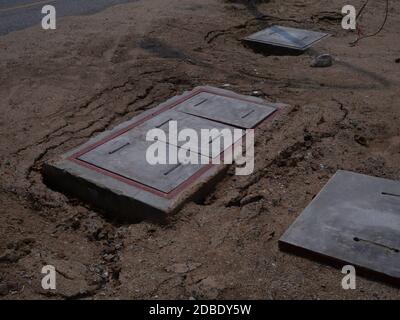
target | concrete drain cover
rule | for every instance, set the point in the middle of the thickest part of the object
(111, 171)
(127, 159)
(291, 38)
(182, 121)
(225, 109)
(354, 220)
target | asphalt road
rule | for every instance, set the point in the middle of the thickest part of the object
(20, 14)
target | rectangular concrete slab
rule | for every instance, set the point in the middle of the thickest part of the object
(111, 172)
(127, 158)
(355, 220)
(292, 38)
(167, 120)
(225, 109)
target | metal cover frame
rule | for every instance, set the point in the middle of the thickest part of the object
(253, 38)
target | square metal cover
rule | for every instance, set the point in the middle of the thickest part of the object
(125, 156)
(170, 118)
(292, 38)
(229, 110)
(355, 219)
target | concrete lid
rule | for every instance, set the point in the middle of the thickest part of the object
(292, 38)
(354, 219)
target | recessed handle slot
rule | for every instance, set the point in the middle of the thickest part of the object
(163, 123)
(201, 102)
(172, 169)
(119, 148)
(377, 244)
(248, 113)
(390, 194)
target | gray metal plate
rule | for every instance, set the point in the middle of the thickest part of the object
(354, 219)
(236, 112)
(185, 121)
(292, 38)
(126, 156)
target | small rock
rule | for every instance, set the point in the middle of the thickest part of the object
(257, 93)
(322, 61)
(232, 199)
(252, 210)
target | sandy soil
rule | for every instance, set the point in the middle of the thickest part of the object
(59, 88)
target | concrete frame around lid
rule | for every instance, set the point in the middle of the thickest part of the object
(119, 194)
